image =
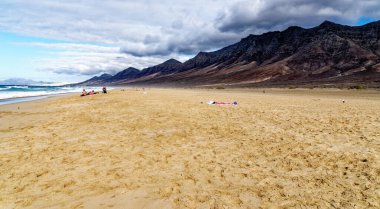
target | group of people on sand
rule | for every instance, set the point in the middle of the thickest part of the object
(85, 93)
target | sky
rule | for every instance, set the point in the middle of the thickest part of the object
(73, 40)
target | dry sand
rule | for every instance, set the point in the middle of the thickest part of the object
(164, 149)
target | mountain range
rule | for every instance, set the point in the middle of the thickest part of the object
(329, 54)
(21, 81)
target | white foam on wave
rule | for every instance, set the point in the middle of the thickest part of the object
(10, 95)
(3, 88)
(61, 90)
(19, 87)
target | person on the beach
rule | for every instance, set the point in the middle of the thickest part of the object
(92, 92)
(222, 103)
(84, 93)
(104, 90)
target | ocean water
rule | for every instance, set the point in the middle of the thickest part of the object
(12, 94)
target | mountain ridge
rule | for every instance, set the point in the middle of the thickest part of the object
(326, 54)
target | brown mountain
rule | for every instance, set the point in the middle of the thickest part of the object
(97, 80)
(329, 54)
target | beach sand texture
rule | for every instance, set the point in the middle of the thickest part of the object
(165, 149)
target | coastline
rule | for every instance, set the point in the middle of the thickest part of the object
(21, 99)
(166, 149)
(18, 100)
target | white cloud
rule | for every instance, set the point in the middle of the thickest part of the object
(87, 59)
(142, 33)
(73, 47)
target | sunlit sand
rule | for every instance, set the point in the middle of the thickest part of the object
(168, 148)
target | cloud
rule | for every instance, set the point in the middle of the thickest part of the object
(143, 33)
(93, 63)
(183, 42)
(86, 59)
(72, 47)
(259, 16)
(106, 36)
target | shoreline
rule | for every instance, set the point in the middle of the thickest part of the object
(15, 100)
(18, 100)
(325, 91)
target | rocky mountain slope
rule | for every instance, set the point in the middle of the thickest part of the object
(329, 54)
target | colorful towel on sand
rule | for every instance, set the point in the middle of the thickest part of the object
(222, 103)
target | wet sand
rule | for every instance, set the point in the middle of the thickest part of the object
(166, 149)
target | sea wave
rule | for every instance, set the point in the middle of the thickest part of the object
(7, 88)
(34, 91)
(11, 95)
(3, 88)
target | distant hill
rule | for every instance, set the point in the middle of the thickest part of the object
(97, 80)
(124, 76)
(21, 81)
(329, 54)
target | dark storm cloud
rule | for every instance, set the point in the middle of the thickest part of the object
(261, 16)
(190, 44)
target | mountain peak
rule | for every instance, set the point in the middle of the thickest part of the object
(167, 67)
(326, 53)
(128, 73)
(294, 28)
(202, 55)
(328, 24)
(105, 75)
(131, 69)
(172, 61)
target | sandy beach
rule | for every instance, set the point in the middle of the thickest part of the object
(167, 148)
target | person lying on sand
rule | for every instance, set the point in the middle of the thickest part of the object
(84, 93)
(222, 103)
(92, 92)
